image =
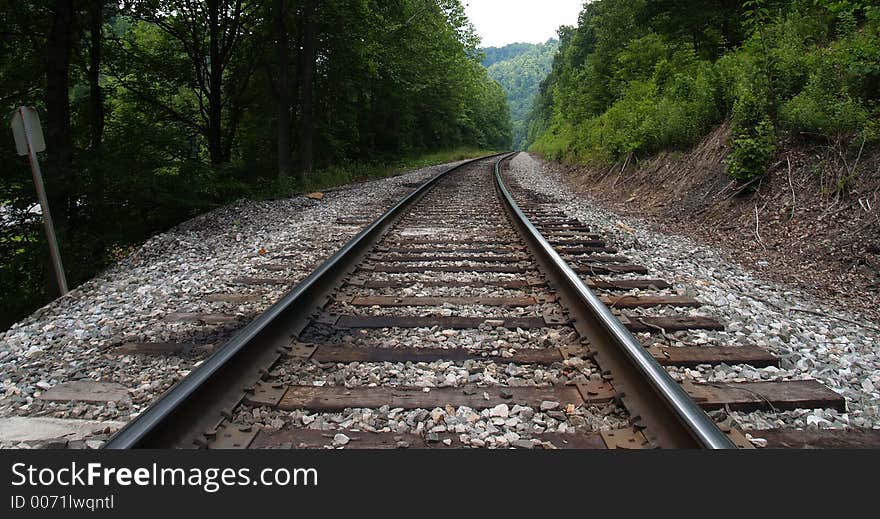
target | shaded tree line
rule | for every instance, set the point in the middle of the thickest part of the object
(155, 110)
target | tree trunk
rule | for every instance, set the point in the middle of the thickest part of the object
(96, 96)
(59, 155)
(306, 76)
(283, 87)
(215, 86)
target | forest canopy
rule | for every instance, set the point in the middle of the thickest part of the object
(639, 76)
(155, 110)
(520, 68)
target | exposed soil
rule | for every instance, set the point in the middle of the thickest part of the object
(797, 227)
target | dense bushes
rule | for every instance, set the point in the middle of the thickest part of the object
(784, 69)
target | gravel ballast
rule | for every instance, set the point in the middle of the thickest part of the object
(203, 280)
(160, 292)
(834, 345)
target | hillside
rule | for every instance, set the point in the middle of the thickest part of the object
(520, 68)
(789, 230)
(638, 78)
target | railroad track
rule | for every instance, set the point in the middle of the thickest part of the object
(471, 314)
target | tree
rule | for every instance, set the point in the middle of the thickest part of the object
(58, 135)
(212, 36)
(307, 55)
(157, 110)
(96, 95)
(282, 85)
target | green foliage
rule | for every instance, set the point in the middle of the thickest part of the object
(493, 55)
(519, 68)
(841, 92)
(639, 77)
(394, 82)
(669, 106)
(750, 151)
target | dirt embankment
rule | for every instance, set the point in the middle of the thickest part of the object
(813, 222)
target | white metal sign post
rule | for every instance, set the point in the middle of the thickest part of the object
(28, 141)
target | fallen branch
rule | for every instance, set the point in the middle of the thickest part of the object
(771, 303)
(658, 328)
(669, 339)
(820, 314)
(856, 163)
(745, 186)
(608, 173)
(757, 228)
(620, 174)
(791, 215)
(813, 312)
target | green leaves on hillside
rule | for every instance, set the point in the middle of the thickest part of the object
(519, 68)
(637, 77)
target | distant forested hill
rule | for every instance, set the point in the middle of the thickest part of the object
(508, 52)
(520, 68)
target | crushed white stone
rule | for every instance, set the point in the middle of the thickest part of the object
(73, 338)
(826, 347)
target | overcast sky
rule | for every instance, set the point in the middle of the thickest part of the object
(500, 22)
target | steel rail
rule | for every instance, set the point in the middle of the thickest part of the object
(196, 403)
(622, 350)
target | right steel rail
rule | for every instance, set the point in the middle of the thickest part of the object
(657, 402)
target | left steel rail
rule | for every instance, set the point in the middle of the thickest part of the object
(198, 403)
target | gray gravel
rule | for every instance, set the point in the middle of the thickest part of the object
(502, 426)
(499, 427)
(489, 340)
(434, 374)
(73, 337)
(829, 347)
